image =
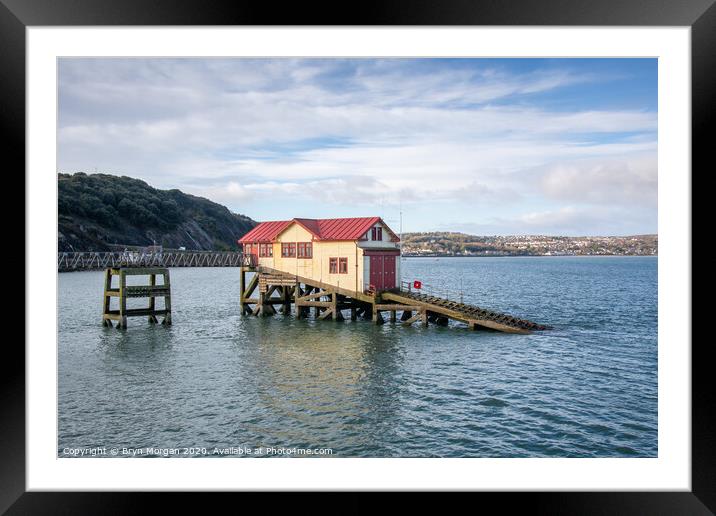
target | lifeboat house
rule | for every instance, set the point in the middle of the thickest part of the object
(357, 254)
(332, 265)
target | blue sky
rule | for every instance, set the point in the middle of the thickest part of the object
(486, 146)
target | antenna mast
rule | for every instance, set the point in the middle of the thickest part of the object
(400, 243)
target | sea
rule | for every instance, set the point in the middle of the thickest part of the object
(218, 384)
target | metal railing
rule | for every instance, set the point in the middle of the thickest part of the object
(76, 261)
(426, 290)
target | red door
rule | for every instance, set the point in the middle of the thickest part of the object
(382, 271)
(388, 272)
(376, 272)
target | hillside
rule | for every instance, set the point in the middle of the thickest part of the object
(99, 212)
(461, 244)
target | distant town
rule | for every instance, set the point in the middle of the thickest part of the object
(461, 244)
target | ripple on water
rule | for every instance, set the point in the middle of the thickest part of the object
(585, 389)
(493, 402)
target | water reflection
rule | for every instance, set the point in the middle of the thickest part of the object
(215, 378)
(320, 383)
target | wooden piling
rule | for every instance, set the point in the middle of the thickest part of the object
(152, 283)
(122, 301)
(286, 295)
(242, 289)
(122, 292)
(167, 298)
(377, 316)
(107, 298)
(337, 315)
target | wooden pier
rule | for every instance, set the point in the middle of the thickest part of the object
(123, 292)
(269, 288)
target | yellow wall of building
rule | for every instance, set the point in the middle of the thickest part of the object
(318, 267)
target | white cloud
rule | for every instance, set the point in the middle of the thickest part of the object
(630, 179)
(567, 220)
(338, 132)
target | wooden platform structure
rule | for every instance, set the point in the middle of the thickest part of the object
(270, 288)
(123, 292)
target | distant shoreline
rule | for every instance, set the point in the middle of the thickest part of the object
(446, 244)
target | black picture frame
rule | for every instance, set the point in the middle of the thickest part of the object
(700, 15)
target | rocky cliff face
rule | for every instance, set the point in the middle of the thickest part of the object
(99, 212)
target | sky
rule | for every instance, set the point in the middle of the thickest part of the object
(483, 146)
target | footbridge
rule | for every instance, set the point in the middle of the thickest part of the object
(79, 261)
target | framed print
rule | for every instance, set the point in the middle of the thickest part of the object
(419, 249)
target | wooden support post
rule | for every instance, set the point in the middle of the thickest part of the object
(247, 291)
(152, 283)
(297, 292)
(122, 301)
(107, 298)
(424, 317)
(167, 299)
(262, 297)
(392, 316)
(337, 315)
(377, 317)
(282, 297)
(354, 314)
(286, 300)
(242, 287)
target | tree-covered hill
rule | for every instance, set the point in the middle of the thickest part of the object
(98, 212)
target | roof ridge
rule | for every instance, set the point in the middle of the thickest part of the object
(337, 218)
(337, 228)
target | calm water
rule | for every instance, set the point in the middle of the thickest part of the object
(587, 388)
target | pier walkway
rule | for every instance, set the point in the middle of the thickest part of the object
(269, 287)
(470, 314)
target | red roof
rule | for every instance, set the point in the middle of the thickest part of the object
(322, 229)
(265, 231)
